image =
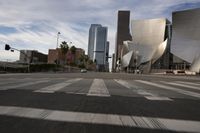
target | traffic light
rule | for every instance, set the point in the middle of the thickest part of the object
(7, 47)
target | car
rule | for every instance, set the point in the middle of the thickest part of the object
(83, 70)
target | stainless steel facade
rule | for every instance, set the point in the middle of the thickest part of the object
(147, 36)
(149, 43)
(186, 36)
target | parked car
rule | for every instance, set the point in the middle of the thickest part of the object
(83, 70)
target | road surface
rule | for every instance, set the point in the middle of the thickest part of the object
(99, 102)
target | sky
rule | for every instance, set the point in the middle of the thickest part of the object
(34, 24)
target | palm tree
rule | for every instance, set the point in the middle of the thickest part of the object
(73, 49)
(64, 49)
(73, 52)
(86, 60)
(82, 60)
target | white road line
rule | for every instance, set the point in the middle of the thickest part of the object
(12, 81)
(23, 84)
(77, 93)
(138, 90)
(188, 83)
(98, 88)
(105, 119)
(182, 85)
(189, 93)
(58, 86)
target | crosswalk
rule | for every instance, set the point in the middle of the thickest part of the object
(150, 90)
(189, 126)
(98, 88)
(58, 86)
(138, 90)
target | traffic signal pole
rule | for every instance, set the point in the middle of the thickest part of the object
(7, 47)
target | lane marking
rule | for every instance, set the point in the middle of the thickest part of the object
(140, 91)
(98, 88)
(24, 84)
(182, 85)
(188, 83)
(77, 93)
(105, 119)
(58, 86)
(13, 81)
(189, 93)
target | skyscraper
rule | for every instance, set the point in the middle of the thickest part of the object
(98, 45)
(123, 32)
(91, 40)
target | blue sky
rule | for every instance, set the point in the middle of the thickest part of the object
(33, 24)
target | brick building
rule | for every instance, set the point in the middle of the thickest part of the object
(55, 55)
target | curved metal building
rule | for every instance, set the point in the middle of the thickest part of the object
(186, 37)
(149, 42)
(148, 35)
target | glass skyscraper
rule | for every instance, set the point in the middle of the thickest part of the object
(97, 46)
(91, 40)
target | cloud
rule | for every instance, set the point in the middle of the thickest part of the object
(36, 23)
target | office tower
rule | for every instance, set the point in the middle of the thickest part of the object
(107, 50)
(100, 47)
(113, 63)
(91, 40)
(107, 55)
(123, 32)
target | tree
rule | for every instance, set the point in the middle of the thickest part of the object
(73, 52)
(91, 62)
(64, 49)
(86, 60)
(82, 60)
(73, 49)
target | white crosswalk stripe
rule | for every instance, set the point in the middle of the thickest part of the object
(189, 93)
(106, 119)
(182, 85)
(58, 86)
(188, 83)
(23, 84)
(10, 81)
(140, 91)
(98, 88)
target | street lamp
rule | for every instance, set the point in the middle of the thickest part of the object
(58, 38)
(57, 49)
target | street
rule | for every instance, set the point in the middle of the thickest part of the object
(99, 102)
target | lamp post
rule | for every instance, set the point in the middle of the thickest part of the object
(58, 38)
(57, 51)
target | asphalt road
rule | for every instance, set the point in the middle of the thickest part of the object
(99, 103)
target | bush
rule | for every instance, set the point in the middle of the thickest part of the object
(44, 67)
(81, 66)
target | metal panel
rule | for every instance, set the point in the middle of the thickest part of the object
(186, 34)
(147, 36)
